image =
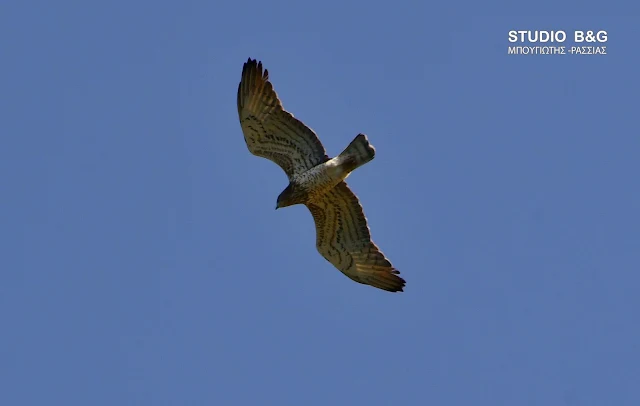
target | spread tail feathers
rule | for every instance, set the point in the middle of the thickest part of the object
(358, 153)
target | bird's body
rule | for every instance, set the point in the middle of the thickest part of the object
(342, 233)
(320, 179)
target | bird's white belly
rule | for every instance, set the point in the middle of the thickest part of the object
(322, 178)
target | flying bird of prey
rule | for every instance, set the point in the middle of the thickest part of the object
(342, 233)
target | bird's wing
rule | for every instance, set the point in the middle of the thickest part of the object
(270, 131)
(343, 238)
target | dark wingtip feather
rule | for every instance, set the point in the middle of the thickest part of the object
(399, 281)
(389, 281)
(400, 288)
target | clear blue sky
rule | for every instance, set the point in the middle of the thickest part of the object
(143, 262)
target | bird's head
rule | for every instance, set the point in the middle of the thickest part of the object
(293, 194)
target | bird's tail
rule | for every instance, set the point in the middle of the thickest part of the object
(358, 153)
